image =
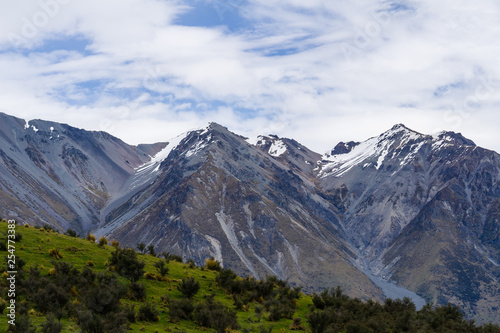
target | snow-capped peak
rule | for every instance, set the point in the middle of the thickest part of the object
(372, 152)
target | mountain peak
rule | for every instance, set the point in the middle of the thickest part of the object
(400, 126)
(399, 129)
(215, 126)
(453, 137)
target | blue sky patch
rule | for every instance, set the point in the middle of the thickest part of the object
(215, 13)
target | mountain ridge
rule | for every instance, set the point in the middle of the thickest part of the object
(359, 216)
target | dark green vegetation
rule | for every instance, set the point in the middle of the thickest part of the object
(68, 284)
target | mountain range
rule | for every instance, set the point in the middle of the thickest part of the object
(400, 214)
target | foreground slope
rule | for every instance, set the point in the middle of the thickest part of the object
(80, 288)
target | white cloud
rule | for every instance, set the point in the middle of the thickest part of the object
(314, 70)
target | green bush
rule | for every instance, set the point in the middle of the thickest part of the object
(191, 263)
(129, 311)
(103, 296)
(51, 325)
(50, 298)
(71, 233)
(23, 325)
(55, 253)
(148, 312)
(172, 257)
(180, 309)
(212, 264)
(225, 277)
(151, 250)
(161, 267)
(141, 247)
(102, 241)
(189, 287)
(125, 263)
(213, 314)
(137, 291)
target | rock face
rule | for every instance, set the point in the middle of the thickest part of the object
(423, 211)
(398, 214)
(57, 174)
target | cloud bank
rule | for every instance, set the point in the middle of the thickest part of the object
(318, 71)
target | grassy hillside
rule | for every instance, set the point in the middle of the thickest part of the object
(95, 290)
(36, 244)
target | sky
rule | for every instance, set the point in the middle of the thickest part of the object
(317, 71)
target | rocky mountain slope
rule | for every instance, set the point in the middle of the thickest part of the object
(423, 210)
(57, 174)
(398, 214)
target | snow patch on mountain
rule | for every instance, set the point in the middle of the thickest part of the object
(340, 164)
(198, 146)
(277, 148)
(143, 172)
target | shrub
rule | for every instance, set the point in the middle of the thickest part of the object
(180, 309)
(54, 253)
(129, 311)
(213, 314)
(103, 241)
(89, 322)
(103, 296)
(174, 257)
(212, 264)
(148, 312)
(50, 298)
(297, 325)
(90, 263)
(161, 267)
(125, 263)
(141, 247)
(87, 276)
(51, 325)
(191, 264)
(189, 287)
(152, 276)
(23, 325)
(137, 291)
(115, 244)
(225, 277)
(20, 263)
(19, 236)
(71, 233)
(90, 237)
(151, 250)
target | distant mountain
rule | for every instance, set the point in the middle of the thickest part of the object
(57, 174)
(424, 212)
(401, 214)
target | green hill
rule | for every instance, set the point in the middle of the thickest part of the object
(67, 284)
